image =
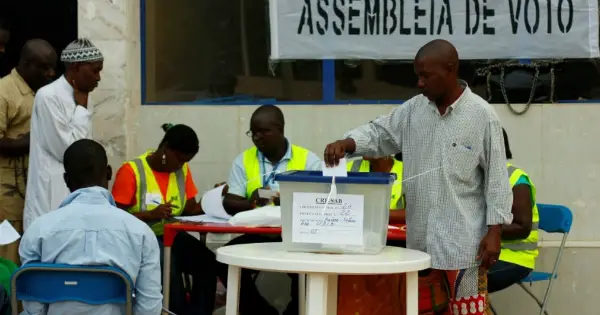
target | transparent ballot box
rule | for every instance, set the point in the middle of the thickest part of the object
(351, 219)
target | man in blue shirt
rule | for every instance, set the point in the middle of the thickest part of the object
(88, 229)
(255, 169)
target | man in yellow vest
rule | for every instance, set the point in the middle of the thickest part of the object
(255, 169)
(520, 238)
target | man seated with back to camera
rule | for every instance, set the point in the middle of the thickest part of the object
(255, 169)
(89, 229)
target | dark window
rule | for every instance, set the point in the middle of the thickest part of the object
(218, 51)
(559, 80)
(54, 21)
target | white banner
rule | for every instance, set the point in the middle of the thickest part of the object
(396, 29)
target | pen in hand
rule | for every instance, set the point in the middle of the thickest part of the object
(162, 211)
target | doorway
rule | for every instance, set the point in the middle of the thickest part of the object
(54, 21)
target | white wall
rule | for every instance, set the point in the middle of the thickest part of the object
(555, 144)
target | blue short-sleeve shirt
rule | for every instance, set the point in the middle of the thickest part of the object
(238, 179)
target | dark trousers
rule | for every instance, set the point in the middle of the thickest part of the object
(504, 274)
(251, 302)
(193, 261)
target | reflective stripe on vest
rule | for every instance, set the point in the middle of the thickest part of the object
(252, 166)
(362, 166)
(522, 252)
(144, 186)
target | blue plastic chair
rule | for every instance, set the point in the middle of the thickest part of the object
(553, 219)
(50, 283)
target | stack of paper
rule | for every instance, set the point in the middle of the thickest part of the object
(212, 204)
(263, 216)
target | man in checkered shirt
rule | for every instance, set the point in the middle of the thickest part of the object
(455, 212)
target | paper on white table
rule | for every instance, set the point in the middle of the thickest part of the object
(203, 218)
(340, 223)
(8, 234)
(212, 203)
(336, 171)
(263, 216)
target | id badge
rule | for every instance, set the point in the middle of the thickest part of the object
(152, 199)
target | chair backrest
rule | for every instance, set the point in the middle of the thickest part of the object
(50, 283)
(555, 218)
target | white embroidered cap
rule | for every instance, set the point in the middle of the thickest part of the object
(81, 50)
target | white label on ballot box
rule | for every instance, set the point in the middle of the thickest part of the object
(341, 223)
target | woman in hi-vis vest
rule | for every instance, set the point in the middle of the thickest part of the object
(157, 186)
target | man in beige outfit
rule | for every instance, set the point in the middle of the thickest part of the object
(17, 90)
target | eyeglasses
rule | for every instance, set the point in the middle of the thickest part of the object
(258, 133)
(250, 134)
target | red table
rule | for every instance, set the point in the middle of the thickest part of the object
(223, 228)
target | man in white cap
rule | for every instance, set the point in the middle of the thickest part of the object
(60, 117)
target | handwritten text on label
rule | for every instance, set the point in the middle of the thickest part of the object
(341, 223)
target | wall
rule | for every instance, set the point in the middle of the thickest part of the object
(555, 143)
(113, 26)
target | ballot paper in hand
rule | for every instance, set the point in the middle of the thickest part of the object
(212, 203)
(8, 234)
(336, 171)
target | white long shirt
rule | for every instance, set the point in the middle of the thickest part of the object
(56, 122)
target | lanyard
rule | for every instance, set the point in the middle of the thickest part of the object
(271, 176)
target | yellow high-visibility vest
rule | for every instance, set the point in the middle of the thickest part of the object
(363, 166)
(146, 185)
(522, 252)
(252, 166)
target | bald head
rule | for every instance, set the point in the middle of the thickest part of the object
(441, 51)
(270, 113)
(37, 63)
(37, 49)
(436, 65)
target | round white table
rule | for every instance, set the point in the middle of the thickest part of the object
(321, 271)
